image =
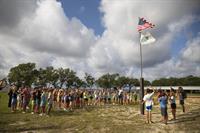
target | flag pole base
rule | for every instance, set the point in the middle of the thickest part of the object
(141, 95)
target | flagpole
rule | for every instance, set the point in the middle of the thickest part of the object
(141, 79)
(141, 65)
(142, 25)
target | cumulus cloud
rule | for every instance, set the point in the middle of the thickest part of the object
(192, 51)
(44, 36)
(121, 39)
(186, 63)
(12, 11)
(39, 31)
(57, 34)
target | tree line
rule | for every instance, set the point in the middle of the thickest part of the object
(28, 75)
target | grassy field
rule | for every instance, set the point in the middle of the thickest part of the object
(109, 118)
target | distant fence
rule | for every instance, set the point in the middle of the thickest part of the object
(195, 88)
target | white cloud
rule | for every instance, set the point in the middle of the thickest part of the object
(122, 40)
(46, 36)
(192, 51)
(186, 63)
(57, 34)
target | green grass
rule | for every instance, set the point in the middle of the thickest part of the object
(108, 118)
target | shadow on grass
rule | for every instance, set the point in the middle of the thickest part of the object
(77, 111)
(190, 116)
(33, 129)
(64, 113)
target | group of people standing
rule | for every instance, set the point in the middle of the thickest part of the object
(43, 100)
(164, 98)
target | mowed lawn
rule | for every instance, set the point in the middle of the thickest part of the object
(108, 118)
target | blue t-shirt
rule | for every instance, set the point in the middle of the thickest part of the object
(163, 101)
(43, 99)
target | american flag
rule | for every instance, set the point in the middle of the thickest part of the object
(143, 24)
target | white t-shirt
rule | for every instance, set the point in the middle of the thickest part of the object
(148, 99)
(120, 92)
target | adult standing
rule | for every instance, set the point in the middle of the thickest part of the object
(120, 95)
(172, 100)
(162, 99)
(182, 96)
(10, 96)
(25, 99)
(14, 99)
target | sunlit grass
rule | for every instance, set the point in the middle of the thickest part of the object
(108, 118)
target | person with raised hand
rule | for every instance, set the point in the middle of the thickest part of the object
(148, 100)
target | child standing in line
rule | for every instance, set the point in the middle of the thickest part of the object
(173, 103)
(19, 99)
(162, 98)
(70, 97)
(37, 100)
(65, 100)
(182, 96)
(148, 104)
(109, 97)
(25, 99)
(50, 101)
(10, 96)
(14, 100)
(85, 97)
(43, 102)
(33, 101)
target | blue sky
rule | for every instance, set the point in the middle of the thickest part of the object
(88, 13)
(99, 42)
(181, 39)
(85, 10)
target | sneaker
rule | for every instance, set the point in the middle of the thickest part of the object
(32, 113)
(23, 112)
(41, 114)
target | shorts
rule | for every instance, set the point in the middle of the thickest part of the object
(148, 108)
(120, 96)
(173, 106)
(164, 111)
(42, 104)
(181, 102)
(14, 102)
(85, 99)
